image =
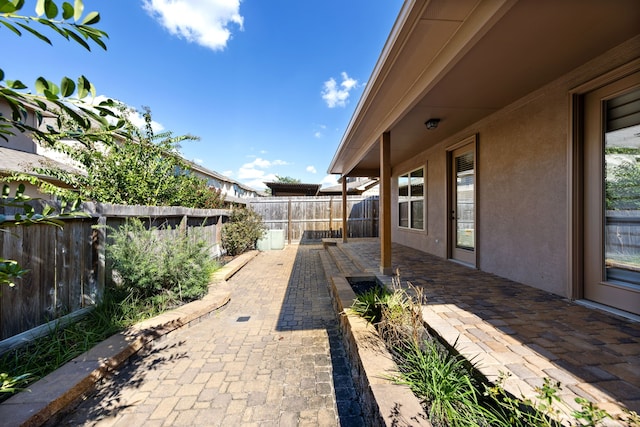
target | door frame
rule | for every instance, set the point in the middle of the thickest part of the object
(466, 257)
(576, 171)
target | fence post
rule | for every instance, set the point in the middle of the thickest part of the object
(289, 214)
(100, 248)
(331, 217)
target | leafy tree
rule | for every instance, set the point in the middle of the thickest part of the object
(287, 179)
(137, 167)
(69, 96)
(90, 120)
(623, 190)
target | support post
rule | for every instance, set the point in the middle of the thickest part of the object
(344, 209)
(385, 204)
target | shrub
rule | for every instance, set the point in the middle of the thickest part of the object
(243, 230)
(166, 265)
(368, 304)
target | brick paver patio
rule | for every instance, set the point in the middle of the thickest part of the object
(273, 357)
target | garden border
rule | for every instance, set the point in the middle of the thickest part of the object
(384, 402)
(52, 394)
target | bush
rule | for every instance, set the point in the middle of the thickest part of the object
(243, 230)
(168, 266)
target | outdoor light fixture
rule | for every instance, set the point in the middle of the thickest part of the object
(432, 123)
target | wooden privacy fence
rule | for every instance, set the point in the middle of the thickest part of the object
(311, 218)
(67, 266)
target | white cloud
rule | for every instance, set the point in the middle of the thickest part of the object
(258, 183)
(137, 119)
(329, 181)
(198, 161)
(311, 169)
(254, 174)
(336, 95)
(320, 132)
(205, 22)
(227, 173)
(131, 114)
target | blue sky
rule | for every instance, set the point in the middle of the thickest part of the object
(268, 85)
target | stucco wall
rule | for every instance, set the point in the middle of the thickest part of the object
(523, 195)
(523, 183)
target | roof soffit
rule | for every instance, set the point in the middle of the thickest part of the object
(501, 51)
(434, 35)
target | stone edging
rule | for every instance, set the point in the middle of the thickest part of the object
(55, 392)
(383, 402)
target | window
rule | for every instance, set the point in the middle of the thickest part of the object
(411, 200)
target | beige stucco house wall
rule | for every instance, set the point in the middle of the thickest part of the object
(523, 109)
(524, 183)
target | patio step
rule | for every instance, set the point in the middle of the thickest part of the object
(344, 263)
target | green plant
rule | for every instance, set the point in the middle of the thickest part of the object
(167, 265)
(243, 230)
(70, 22)
(119, 309)
(138, 167)
(369, 303)
(442, 380)
(12, 384)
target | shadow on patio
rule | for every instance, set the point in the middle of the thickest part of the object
(306, 306)
(532, 334)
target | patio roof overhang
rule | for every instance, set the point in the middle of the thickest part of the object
(461, 61)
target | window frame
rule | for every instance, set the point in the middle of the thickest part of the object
(412, 199)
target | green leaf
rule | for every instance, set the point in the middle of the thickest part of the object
(78, 10)
(53, 26)
(35, 33)
(1, 75)
(92, 35)
(67, 10)
(41, 85)
(7, 7)
(84, 87)
(11, 27)
(16, 84)
(78, 39)
(51, 96)
(50, 9)
(67, 87)
(91, 18)
(81, 121)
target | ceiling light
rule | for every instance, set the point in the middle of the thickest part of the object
(432, 123)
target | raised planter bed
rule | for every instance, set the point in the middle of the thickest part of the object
(383, 402)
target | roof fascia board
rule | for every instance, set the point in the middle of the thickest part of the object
(478, 23)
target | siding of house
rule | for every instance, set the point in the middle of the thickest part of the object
(523, 183)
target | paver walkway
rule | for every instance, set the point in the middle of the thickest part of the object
(272, 357)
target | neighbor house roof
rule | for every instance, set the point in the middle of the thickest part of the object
(14, 161)
(293, 189)
(353, 187)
